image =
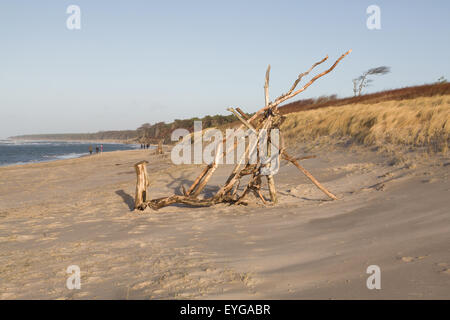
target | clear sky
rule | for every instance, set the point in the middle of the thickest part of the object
(147, 61)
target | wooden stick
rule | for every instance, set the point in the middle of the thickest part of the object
(272, 189)
(300, 77)
(293, 94)
(156, 204)
(305, 158)
(235, 174)
(309, 175)
(242, 113)
(210, 172)
(236, 187)
(258, 193)
(266, 86)
(270, 179)
(247, 124)
(200, 177)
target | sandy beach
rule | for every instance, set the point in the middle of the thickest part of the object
(79, 212)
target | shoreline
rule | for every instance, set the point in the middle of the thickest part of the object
(68, 155)
(62, 161)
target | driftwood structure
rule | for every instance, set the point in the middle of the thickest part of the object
(264, 120)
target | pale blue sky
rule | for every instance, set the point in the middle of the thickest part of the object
(148, 61)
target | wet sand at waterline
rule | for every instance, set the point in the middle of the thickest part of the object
(79, 212)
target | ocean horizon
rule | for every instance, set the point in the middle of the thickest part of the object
(16, 152)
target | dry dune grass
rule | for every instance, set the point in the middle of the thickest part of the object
(428, 90)
(416, 122)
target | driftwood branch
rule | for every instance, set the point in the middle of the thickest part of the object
(309, 175)
(197, 181)
(266, 86)
(244, 121)
(242, 113)
(293, 94)
(300, 77)
(268, 118)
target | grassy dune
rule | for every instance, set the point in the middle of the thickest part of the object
(428, 90)
(421, 122)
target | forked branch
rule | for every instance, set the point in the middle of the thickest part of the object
(291, 94)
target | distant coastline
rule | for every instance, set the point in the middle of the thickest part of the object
(119, 136)
(36, 138)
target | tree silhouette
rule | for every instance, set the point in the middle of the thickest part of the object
(363, 81)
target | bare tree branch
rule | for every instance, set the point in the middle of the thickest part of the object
(293, 94)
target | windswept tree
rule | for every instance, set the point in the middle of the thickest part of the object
(363, 80)
(442, 80)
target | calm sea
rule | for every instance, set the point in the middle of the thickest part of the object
(22, 152)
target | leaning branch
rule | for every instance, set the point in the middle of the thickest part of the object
(293, 94)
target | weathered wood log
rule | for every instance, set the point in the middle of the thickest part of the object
(242, 113)
(309, 175)
(210, 172)
(266, 87)
(156, 204)
(142, 184)
(199, 178)
(270, 179)
(242, 119)
(272, 189)
(159, 149)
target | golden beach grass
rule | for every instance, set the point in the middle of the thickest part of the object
(422, 121)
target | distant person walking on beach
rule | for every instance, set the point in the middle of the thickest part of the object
(101, 148)
(96, 149)
(90, 150)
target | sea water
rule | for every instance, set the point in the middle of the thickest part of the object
(23, 152)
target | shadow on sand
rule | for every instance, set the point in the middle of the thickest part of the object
(129, 200)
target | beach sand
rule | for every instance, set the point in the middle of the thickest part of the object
(79, 212)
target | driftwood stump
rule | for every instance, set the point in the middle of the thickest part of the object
(159, 149)
(142, 184)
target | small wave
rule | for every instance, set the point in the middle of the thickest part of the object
(69, 156)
